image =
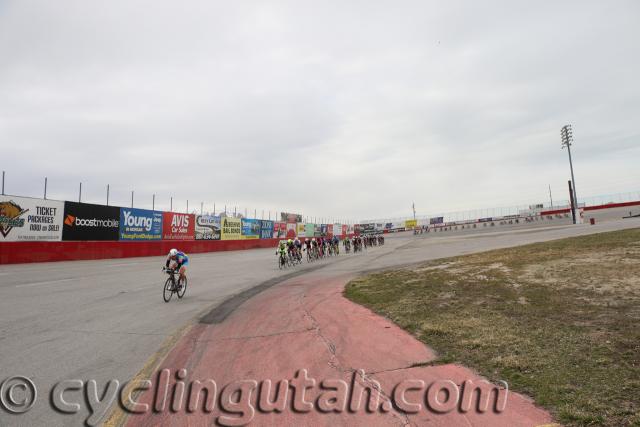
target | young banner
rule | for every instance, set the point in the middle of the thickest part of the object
(140, 224)
(250, 228)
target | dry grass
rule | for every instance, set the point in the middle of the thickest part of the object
(559, 321)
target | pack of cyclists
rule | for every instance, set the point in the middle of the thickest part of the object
(291, 252)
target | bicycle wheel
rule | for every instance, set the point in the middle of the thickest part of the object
(182, 289)
(168, 290)
(280, 262)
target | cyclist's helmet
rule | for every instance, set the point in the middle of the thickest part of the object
(173, 252)
(289, 241)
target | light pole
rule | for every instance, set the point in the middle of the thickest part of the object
(566, 135)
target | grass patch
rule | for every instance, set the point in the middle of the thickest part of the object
(559, 321)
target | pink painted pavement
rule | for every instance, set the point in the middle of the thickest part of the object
(306, 323)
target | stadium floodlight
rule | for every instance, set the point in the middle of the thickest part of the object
(566, 135)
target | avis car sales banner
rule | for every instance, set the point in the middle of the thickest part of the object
(300, 232)
(266, 229)
(177, 226)
(230, 228)
(291, 230)
(24, 219)
(250, 229)
(207, 227)
(84, 221)
(140, 224)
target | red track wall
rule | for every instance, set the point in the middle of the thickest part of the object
(24, 252)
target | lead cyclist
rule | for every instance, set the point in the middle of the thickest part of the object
(181, 260)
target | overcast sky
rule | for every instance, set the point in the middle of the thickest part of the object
(347, 109)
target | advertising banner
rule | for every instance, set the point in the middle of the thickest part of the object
(410, 224)
(367, 228)
(140, 224)
(24, 219)
(207, 227)
(178, 226)
(266, 229)
(324, 229)
(317, 230)
(279, 230)
(301, 230)
(250, 229)
(230, 228)
(84, 221)
(356, 229)
(330, 230)
(291, 230)
(337, 230)
(345, 230)
(290, 217)
(436, 220)
(309, 230)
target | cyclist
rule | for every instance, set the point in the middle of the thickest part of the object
(180, 261)
(281, 249)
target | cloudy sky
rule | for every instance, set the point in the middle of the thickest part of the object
(344, 109)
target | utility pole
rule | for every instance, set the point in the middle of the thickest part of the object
(566, 134)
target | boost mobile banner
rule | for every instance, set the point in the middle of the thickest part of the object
(85, 221)
(140, 224)
(207, 227)
(231, 228)
(24, 219)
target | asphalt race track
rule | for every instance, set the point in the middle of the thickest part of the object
(104, 320)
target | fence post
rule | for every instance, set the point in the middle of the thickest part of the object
(201, 207)
(45, 188)
(131, 199)
(187, 206)
(107, 194)
(80, 194)
(3, 183)
(153, 203)
(171, 206)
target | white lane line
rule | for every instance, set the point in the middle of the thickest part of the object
(48, 282)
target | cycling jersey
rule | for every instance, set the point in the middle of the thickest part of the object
(181, 259)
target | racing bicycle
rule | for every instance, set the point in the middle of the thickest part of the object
(173, 284)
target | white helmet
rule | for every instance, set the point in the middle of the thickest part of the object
(173, 252)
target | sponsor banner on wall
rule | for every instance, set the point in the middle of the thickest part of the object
(317, 230)
(436, 220)
(279, 230)
(410, 224)
(290, 217)
(266, 229)
(250, 229)
(367, 228)
(291, 230)
(309, 230)
(356, 229)
(301, 232)
(207, 227)
(337, 230)
(24, 219)
(85, 221)
(178, 226)
(140, 224)
(230, 228)
(330, 230)
(324, 229)
(345, 230)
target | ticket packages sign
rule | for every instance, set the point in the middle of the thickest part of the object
(250, 228)
(230, 228)
(85, 221)
(140, 224)
(24, 219)
(177, 226)
(207, 227)
(266, 229)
